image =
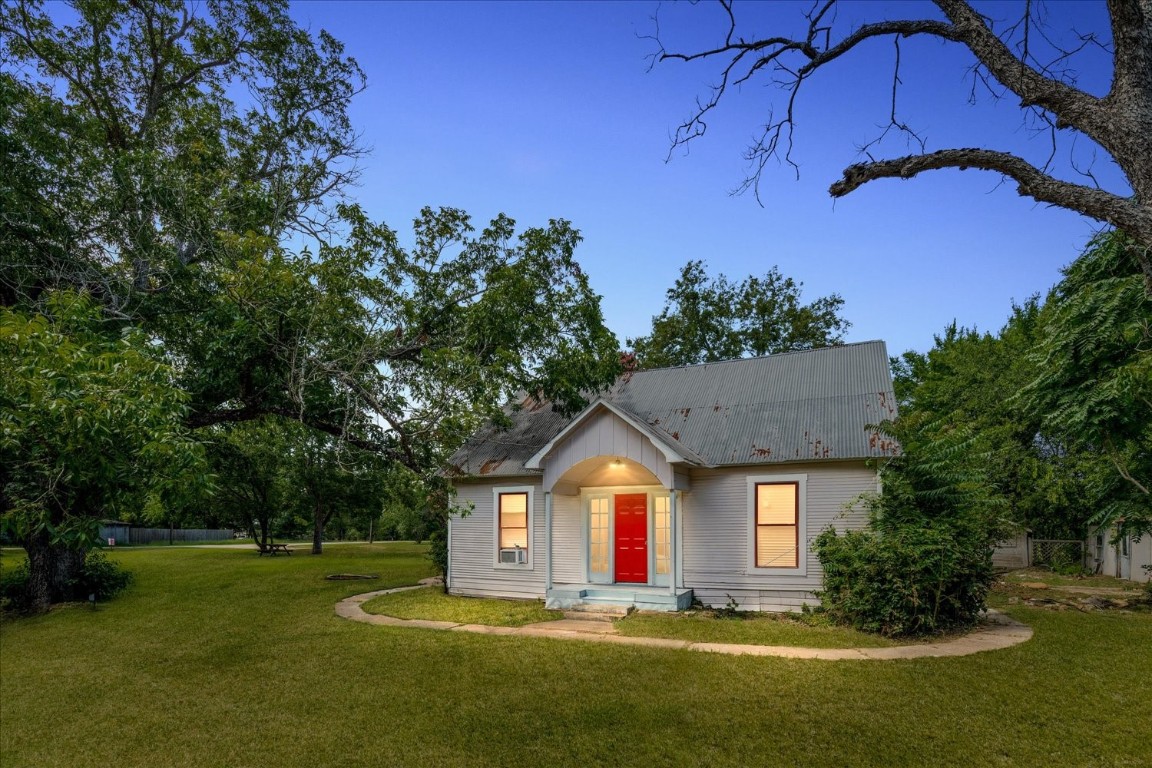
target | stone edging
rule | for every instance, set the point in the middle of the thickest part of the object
(999, 631)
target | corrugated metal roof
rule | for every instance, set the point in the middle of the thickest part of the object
(793, 406)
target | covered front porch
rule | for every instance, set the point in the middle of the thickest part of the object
(613, 504)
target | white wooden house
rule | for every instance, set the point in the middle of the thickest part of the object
(706, 481)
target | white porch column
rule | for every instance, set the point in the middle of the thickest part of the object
(547, 544)
(672, 541)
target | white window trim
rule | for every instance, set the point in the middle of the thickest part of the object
(496, 492)
(801, 481)
(586, 498)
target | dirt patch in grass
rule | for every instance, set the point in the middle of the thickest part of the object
(1039, 588)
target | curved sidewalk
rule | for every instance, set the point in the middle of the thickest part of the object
(998, 631)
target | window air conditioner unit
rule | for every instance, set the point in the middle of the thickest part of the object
(514, 556)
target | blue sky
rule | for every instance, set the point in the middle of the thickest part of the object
(549, 110)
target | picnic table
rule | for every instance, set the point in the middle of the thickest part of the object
(272, 548)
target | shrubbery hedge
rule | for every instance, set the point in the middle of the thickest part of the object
(912, 581)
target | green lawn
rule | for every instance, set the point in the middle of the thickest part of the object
(218, 657)
(766, 629)
(431, 603)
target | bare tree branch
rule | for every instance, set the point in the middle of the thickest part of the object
(1122, 212)
(1006, 61)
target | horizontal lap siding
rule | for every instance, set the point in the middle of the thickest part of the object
(473, 545)
(715, 522)
(715, 537)
(567, 540)
(775, 600)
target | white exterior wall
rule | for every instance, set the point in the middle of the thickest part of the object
(472, 544)
(713, 537)
(605, 435)
(1115, 564)
(568, 540)
(716, 523)
(1012, 553)
(1141, 557)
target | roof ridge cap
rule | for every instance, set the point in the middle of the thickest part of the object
(762, 357)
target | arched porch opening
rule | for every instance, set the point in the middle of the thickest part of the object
(617, 536)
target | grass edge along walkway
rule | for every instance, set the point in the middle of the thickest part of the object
(999, 631)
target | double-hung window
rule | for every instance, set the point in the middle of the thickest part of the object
(776, 525)
(513, 525)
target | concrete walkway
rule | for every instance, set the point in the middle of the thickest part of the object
(998, 631)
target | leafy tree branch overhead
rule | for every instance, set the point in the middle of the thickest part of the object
(181, 205)
(182, 170)
(1022, 57)
(90, 427)
(145, 157)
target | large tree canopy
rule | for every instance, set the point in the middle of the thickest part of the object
(90, 427)
(1093, 388)
(706, 319)
(133, 162)
(1057, 406)
(1022, 58)
(398, 350)
(183, 211)
(969, 382)
(185, 167)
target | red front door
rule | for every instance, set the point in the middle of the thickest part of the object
(632, 537)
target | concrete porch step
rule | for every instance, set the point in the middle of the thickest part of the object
(575, 625)
(591, 597)
(594, 612)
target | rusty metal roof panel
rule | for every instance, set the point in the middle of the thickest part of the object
(794, 406)
(497, 452)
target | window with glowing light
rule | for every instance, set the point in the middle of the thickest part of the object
(513, 521)
(662, 529)
(777, 525)
(598, 532)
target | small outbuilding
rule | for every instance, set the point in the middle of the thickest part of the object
(1125, 557)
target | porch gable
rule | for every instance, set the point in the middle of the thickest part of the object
(602, 431)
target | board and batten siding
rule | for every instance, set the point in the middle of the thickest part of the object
(603, 436)
(715, 532)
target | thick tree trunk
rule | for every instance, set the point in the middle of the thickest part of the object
(261, 530)
(318, 520)
(52, 570)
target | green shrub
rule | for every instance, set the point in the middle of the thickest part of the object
(12, 588)
(912, 581)
(924, 564)
(99, 576)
